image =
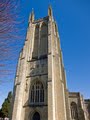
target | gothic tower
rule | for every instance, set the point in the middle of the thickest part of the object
(40, 85)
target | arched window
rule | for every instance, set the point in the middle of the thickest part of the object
(36, 116)
(36, 41)
(37, 93)
(74, 112)
(43, 40)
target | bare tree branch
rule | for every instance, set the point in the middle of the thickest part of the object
(11, 27)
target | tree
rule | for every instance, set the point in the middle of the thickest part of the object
(1, 114)
(88, 108)
(11, 21)
(8, 15)
(6, 106)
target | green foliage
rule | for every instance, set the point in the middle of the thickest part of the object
(6, 106)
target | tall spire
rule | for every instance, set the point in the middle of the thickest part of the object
(50, 13)
(32, 15)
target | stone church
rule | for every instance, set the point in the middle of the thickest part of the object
(40, 90)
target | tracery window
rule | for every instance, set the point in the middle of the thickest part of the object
(74, 112)
(37, 92)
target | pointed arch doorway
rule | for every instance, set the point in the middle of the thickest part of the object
(36, 116)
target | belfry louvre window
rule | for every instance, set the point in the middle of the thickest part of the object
(37, 93)
(43, 39)
(36, 41)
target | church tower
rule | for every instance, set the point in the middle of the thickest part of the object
(40, 83)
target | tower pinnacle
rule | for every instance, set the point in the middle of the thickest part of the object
(50, 12)
(32, 15)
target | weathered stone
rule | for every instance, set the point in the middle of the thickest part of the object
(40, 91)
